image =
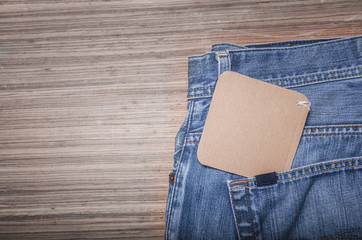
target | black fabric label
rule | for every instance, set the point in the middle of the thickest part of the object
(266, 179)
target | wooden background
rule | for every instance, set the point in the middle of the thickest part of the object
(92, 94)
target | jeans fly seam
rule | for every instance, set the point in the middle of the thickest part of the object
(235, 217)
(251, 218)
(167, 227)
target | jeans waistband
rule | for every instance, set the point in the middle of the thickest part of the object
(287, 64)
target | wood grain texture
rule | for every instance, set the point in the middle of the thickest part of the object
(92, 94)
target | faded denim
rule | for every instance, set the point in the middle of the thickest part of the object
(321, 196)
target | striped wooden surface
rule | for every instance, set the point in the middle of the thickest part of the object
(92, 94)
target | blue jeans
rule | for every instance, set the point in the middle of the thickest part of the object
(320, 197)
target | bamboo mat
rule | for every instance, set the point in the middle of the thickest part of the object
(92, 94)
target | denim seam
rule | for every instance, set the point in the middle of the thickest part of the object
(311, 45)
(200, 95)
(195, 89)
(235, 217)
(332, 42)
(221, 64)
(238, 182)
(294, 84)
(241, 188)
(315, 74)
(294, 78)
(317, 40)
(191, 113)
(315, 43)
(290, 43)
(302, 169)
(345, 237)
(189, 120)
(326, 170)
(320, 165)
(342, 237)
(305, 128)
(338, 235)
(304, 135)
(189, 117)
(249, 209)
(191, 135)
(323, 134)
(300, 176)
(221, 61)
(250, 214)
(321, 80)
(334, 126)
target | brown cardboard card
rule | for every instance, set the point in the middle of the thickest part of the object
(252, 127)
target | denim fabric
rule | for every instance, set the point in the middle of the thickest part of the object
(320, 197)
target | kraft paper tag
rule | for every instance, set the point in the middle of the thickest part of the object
(252, 127)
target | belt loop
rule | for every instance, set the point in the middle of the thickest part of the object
(223, 62)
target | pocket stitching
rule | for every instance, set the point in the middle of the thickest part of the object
(339, 235)
(326, 170)
(320, 165)
(304, 175)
